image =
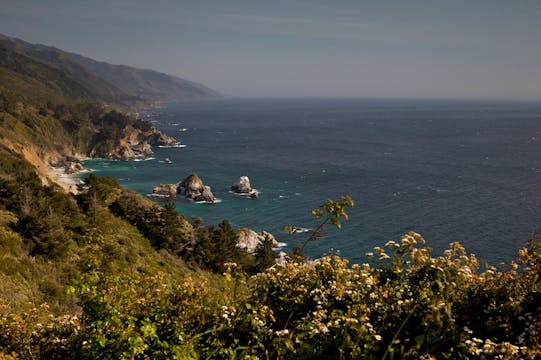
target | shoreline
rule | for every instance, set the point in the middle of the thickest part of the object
(68, 182)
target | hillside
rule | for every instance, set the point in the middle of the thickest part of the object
(112, 83)
(48, 116)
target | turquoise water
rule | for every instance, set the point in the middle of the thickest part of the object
(452, 171)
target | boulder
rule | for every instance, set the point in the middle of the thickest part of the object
(166, 189)
(193, 188)
(73, 167)
(248, 239)
(242, 185)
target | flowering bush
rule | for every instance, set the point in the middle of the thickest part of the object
(405, 304)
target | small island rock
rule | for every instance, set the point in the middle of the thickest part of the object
(193, 188)
(242, 185)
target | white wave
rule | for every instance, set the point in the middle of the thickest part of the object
(301, 230)
(253, 192)
(216, 201)
(281, 245)
(144, 159)
(158, 195)
(177, 145)
(182, 129)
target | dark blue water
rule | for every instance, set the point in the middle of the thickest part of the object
(452, 171)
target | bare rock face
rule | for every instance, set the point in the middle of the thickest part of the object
(248, 239)
(193, 188)
(131, 143)
(242, 185)
(206, 195)
(142, 148)
(123, 151)
(160, 139)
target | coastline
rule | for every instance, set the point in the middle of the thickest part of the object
(68, 182)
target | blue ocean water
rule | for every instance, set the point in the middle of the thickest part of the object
(450, 170)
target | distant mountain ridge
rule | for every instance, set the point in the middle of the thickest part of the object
(118, 84)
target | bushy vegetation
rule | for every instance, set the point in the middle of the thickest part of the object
(108, 289)
(408, 304)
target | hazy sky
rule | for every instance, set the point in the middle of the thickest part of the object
(357, 48)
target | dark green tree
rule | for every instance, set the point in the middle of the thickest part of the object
(264, 255)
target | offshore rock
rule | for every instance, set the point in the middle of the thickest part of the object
(166, 190)
(242, 186)
(248, 239)
(193, 189)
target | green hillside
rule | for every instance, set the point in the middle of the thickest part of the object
(112, 83)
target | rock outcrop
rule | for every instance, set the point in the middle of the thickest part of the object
(192, 188)
(135, 141)
(248, 239)
(242, 186)
(70, 164)
(166, 190)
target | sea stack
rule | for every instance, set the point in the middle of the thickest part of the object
(242, 186)
(193, 188)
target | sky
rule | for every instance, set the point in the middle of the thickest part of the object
(305, 48)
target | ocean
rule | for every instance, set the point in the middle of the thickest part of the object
(466, 171)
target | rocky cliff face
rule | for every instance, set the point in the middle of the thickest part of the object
(134, 141)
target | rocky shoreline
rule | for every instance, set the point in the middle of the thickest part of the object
(136, 142)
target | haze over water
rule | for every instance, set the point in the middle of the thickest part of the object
(452, 171)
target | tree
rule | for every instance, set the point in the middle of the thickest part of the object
(264, 255)
(333, 212)
(174, 237)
